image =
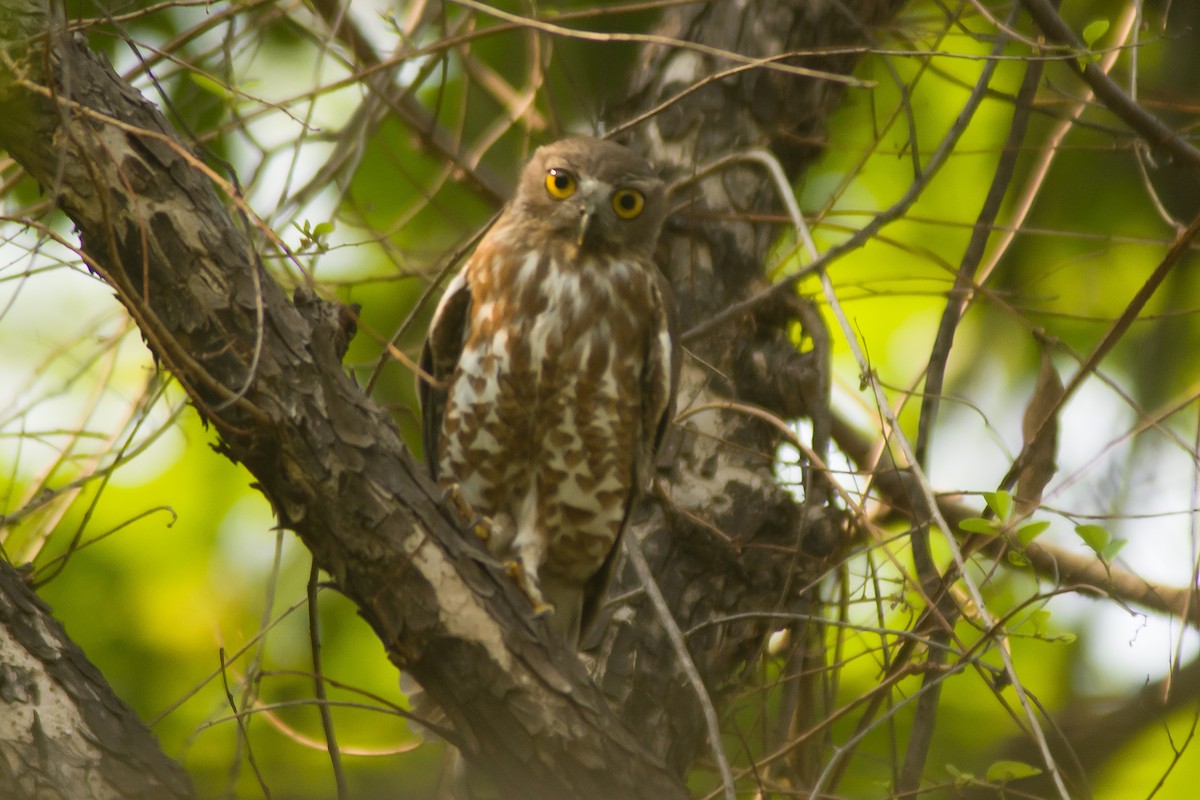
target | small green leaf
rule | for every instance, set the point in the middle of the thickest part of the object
(1017, 558)
(1094, 30)
(979, 525)
(1030, 531)
(1005, 771)
(1094, 536)
(1039, 619)
(322, 229)
(999, 502)
(1112, 548)
(209, 85)
(960, 778)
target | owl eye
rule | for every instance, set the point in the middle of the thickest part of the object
(560, 183)
(628, 203)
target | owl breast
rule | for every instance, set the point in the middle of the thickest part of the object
(544, 410)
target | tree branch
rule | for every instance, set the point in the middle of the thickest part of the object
(1156, 133)
(64, 732)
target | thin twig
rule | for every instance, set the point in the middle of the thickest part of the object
(244, 734)
(924, 722)
(1116, 331)
(1157, 133)
(314, 641)
(634, 548)
(662, 41)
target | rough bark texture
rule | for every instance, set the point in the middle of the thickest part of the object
(63, 733)
(265, 371)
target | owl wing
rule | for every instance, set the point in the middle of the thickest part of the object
(660, 376)
(439, 358)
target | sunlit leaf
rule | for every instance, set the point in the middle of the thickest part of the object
(978, 525)
(961, 778)
(1094, 30)
(1030, 531)
(1017, 558)
(209, 85)
(1005, 771)
(1112, 548)
(1094, 536)
(999, 502)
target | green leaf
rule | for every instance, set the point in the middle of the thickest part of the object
(1094, 536)
(1030, 531)
(979, 525)
(211, 86)
(1094, 30)
(1112, 548)
(1000, 502)
(960, 778)
(1039, 619)
(1017, 559)
(322, 229)
(1005, 771)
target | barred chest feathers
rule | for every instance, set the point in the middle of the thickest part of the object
(551, 415)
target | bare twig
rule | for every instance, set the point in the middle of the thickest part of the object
(314, 643)
(923, 725)
(634, 548)
(1149, 127)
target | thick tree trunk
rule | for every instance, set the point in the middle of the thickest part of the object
(730, 539)
(265, 371)
(63, 733)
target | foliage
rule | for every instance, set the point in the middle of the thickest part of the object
(164, 562)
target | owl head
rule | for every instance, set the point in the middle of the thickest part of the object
(595, 194)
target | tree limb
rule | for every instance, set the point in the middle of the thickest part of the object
(63, 732)
(1156, 133)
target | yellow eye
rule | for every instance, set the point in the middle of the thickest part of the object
(628, 203)
(560, 183)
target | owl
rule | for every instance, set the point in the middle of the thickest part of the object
(550, 370)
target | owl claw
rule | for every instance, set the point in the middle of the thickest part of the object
(528, 586)
(452, 496)
(481, 526)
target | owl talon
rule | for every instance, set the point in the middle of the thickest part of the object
(528, 586)
(542, 609)
(482, 528)
(452, 496)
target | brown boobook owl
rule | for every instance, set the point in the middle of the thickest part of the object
(554, 369)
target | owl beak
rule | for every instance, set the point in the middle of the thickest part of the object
(585, 219)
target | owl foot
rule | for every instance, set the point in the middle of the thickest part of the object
(452, 496)
(528, 586)
(480, 526)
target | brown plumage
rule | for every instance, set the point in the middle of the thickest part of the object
(555, 363)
